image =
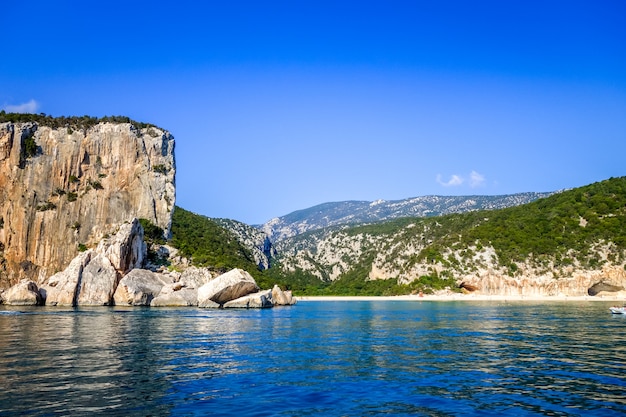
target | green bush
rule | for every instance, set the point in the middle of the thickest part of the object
(161, 169)
(46, 206)
(97, 185)
(30, 148)
(152, 233)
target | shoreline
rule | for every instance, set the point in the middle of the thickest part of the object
(466, 297)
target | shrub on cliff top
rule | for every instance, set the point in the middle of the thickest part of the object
(71, 122)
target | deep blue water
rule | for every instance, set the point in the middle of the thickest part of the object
(316, 358)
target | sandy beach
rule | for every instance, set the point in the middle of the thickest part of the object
(618, 299)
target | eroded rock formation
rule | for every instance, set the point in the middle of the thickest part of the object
(609, 279)
(63, 189)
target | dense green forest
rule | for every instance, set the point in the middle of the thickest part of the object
(557, 231)
(208, 244)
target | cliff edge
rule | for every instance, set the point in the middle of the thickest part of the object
(64, 189)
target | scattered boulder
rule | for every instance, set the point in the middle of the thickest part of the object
(262, 299)
(24, 293)
(230, 286)
(282, 298)
(97, 284)
(138, 288)
(175, 295)
(61, 288)
(603, 287)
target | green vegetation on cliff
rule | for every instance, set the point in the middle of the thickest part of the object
(208, 244)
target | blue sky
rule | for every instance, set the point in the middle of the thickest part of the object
(280, 105)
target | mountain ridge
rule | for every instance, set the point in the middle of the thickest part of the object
(361, 211)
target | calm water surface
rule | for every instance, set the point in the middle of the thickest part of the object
(317, 358)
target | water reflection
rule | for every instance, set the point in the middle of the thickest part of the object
(343, 358)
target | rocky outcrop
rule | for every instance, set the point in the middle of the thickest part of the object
(253, 239)
(93, 276)
(282, 298)
(579, 284)
(234, 284)
(25, 293)
(139, 287)
(67, 188)
(126, 250)
(194, 277)
(600, 287)
(97, 283)
(176, 295)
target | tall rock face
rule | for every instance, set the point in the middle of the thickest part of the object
(64, 188)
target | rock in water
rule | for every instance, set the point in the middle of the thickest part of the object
(25, 293)
(282, 298)
(138, 288)
(261, 299)
(176, 295)
(92, 277)
(226, 287)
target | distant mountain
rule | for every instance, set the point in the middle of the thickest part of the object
(359, 212)
(570, 243)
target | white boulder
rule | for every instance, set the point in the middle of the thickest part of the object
(24, 293)
(227, 287)
(125, 250)
(61, 288)
(97, 284)
(261, 299)
(139, 287)
(282, 298)
(175, 295)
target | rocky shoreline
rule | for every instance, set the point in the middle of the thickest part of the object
(114, 273)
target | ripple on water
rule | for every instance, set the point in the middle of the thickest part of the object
(344, 358)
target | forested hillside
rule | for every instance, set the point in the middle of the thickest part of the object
(578, 230)
(208, 244)
(553, 238)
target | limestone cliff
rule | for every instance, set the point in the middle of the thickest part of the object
(63, 189)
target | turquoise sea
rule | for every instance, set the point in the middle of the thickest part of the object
(345, 358)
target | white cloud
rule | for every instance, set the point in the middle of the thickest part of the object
(29, 107)
(476, 179)
(454, 181)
